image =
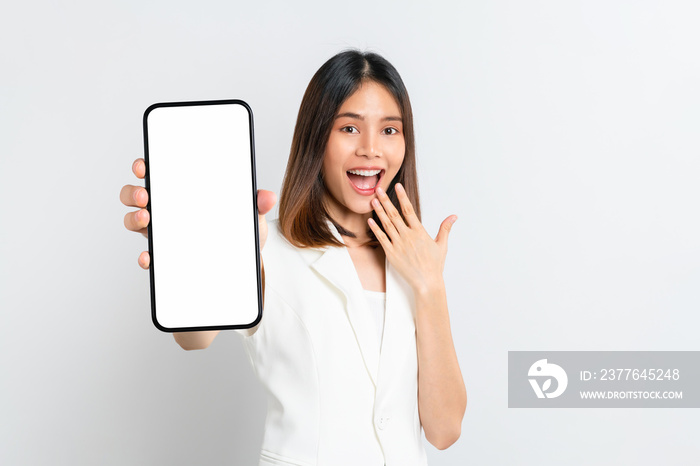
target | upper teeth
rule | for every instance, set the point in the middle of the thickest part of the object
(365, 172)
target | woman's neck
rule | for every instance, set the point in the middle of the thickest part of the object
(352, 222)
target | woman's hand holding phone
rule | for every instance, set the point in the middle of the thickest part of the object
(137, 196)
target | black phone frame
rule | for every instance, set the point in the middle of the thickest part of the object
(255, 215)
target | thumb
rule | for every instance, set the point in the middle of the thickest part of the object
(445, 228)
(266, 201)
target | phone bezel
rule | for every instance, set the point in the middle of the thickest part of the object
(154, 315)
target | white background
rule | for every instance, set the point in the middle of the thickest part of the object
(564, 134)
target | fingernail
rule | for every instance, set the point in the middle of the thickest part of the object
(379, 190)
(454, 219)
(399, 187)
(375, 202)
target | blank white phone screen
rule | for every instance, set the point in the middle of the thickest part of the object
(203, 228)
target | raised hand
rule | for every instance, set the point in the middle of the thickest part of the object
(418, 257)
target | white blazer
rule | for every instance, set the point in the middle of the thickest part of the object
(333, 400)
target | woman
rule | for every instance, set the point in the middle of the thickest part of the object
(355, 346)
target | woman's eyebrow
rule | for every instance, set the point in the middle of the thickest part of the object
(350, 115)
(362, 118)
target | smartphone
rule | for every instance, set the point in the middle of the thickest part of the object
(203, 232)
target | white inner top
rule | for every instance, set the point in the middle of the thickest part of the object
(377, 304)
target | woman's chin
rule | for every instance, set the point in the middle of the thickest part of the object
(364, 209)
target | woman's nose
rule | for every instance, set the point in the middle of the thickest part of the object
(369, 146)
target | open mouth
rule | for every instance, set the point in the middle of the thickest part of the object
(365, 180)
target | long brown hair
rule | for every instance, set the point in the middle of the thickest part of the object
(302, 215)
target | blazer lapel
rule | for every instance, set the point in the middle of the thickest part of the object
(335, 264)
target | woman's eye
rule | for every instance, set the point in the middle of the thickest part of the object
(391, 130)
(349, 129)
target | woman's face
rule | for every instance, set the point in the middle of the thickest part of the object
(365, 150)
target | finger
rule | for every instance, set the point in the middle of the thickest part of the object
(145, 260)
(137, 221)
(445, 228)
(391, 211)
(134, 196)
(139, 168)
(407, 208)
(381, 236)
(266, 201)
(386, 221)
